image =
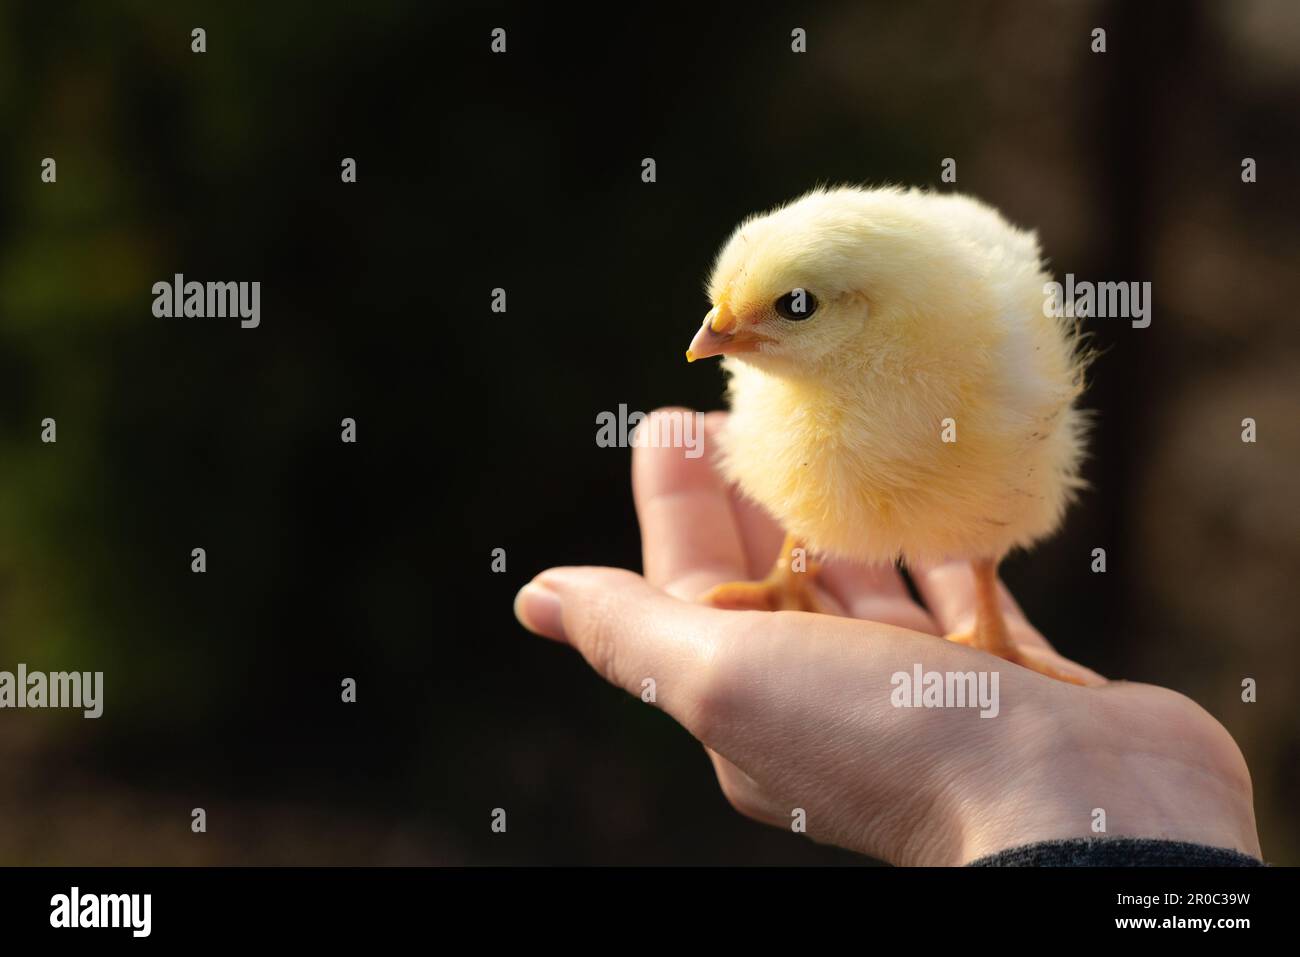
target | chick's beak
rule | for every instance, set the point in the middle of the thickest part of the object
(717, 336)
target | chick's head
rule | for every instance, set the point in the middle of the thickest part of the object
(839, 276)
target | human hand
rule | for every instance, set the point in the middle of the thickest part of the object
(797, 709)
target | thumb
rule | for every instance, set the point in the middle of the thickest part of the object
(635, 636)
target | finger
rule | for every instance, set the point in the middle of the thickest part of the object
(761, 535)
(689, 538)
(876, 593)
(630, 632)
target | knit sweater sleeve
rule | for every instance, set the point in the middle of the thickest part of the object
(1116, 852)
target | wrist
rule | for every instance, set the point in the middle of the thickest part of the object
(1184, 780)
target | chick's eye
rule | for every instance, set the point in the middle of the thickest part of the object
(796, 305)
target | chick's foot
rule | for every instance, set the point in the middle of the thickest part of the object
(787, 587)
(990, 632)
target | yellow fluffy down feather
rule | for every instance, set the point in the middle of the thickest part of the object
(928, 323)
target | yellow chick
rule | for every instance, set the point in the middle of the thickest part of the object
(897, 391)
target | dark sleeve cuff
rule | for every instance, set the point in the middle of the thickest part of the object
(1116, 852)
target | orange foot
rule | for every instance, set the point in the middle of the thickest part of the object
(784, 588)
(1010, 652)
(990, 632)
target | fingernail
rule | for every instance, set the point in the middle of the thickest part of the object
(539, 610)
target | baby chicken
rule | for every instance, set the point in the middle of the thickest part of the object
(897, 391)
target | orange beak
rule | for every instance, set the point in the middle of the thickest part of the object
(720, 335)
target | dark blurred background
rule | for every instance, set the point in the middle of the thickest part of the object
(476, 431)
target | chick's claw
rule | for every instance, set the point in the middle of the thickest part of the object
(787, 587)
(990, 631)
(790, 592)
(1043, 668)
(1011, 653)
